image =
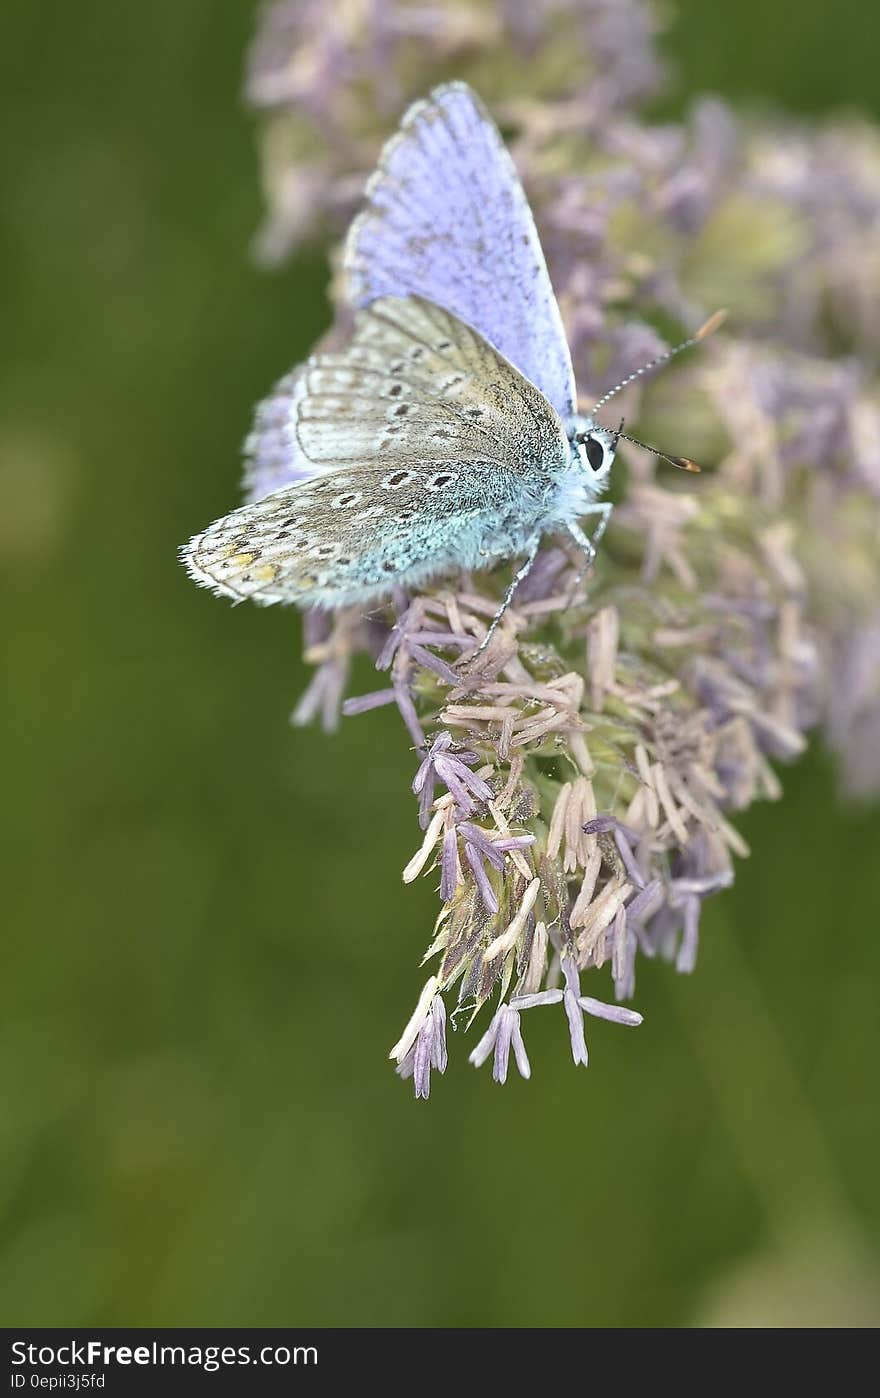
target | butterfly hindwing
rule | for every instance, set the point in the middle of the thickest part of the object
(271, 452)
(447, 218)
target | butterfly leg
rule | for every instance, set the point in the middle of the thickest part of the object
(588, 546)
(604, 509)
(521, 573)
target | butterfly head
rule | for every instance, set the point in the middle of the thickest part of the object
(592, 449)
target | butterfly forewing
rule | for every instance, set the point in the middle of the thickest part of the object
(446, 218)
(403, 494)
(414, 380)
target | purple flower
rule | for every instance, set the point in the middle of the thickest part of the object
(615, 1014)
(479, 847)
(573, 1012)
(576, 1005)
(426, 1045)
(624, 839)
(493, 849)
(450, 868)
(451, 769)
(504, 1033)
(481, 878)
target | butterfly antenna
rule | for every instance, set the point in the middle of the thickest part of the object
(710, 325)
(683, 463)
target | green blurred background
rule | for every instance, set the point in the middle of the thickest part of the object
(207, 948)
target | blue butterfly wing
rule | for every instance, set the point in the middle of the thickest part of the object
(446, 218)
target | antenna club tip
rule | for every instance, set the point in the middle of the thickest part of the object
(684, 463)
(711, 325)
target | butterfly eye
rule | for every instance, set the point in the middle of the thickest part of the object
(595, 453)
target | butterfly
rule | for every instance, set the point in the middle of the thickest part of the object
(445, 435)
